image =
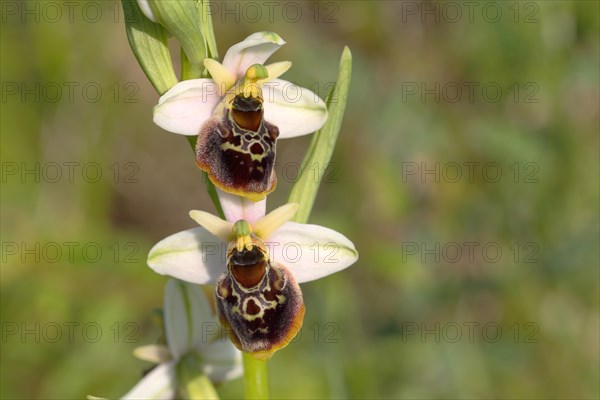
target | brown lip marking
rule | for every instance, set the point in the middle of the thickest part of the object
(264, 319)
(237, 150)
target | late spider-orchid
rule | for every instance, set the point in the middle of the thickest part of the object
(239, 114)
(256, 262)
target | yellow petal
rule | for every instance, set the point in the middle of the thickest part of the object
(221, 75)
(277, 69)
(264, 227)
(153, 353)
(215, 225)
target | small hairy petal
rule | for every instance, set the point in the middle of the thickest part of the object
(154, 353)
(213, 224)
(237, 160)
(265, 226)
(221, 75)
(277, 69)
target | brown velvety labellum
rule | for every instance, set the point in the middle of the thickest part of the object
(237, 149)
(261, 317)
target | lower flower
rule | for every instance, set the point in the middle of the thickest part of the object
(256, 266)
(195, 356)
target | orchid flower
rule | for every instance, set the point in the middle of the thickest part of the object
(239, 114)
(256, 262)
(191, 331)
(294, 110)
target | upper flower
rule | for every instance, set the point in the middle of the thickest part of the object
(189, 104)
(236, 147)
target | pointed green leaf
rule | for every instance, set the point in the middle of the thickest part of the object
(321, 147)
(148, 42)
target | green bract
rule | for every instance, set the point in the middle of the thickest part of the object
(181, 19)
(323, 142)
(148, 42)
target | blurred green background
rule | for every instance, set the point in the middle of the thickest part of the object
(478, 285)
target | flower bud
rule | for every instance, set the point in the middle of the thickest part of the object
(180, 18)
(148, 42)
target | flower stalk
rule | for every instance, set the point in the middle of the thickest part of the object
(193, 384)
(256, 378)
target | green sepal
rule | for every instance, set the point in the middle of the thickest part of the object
(323, 142)
(192, 383)
(148, 42)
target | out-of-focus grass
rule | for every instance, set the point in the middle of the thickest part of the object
(371, 331)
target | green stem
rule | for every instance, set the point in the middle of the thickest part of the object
(210, 187)
(189, 70)
(256, 378)
(256, 374)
